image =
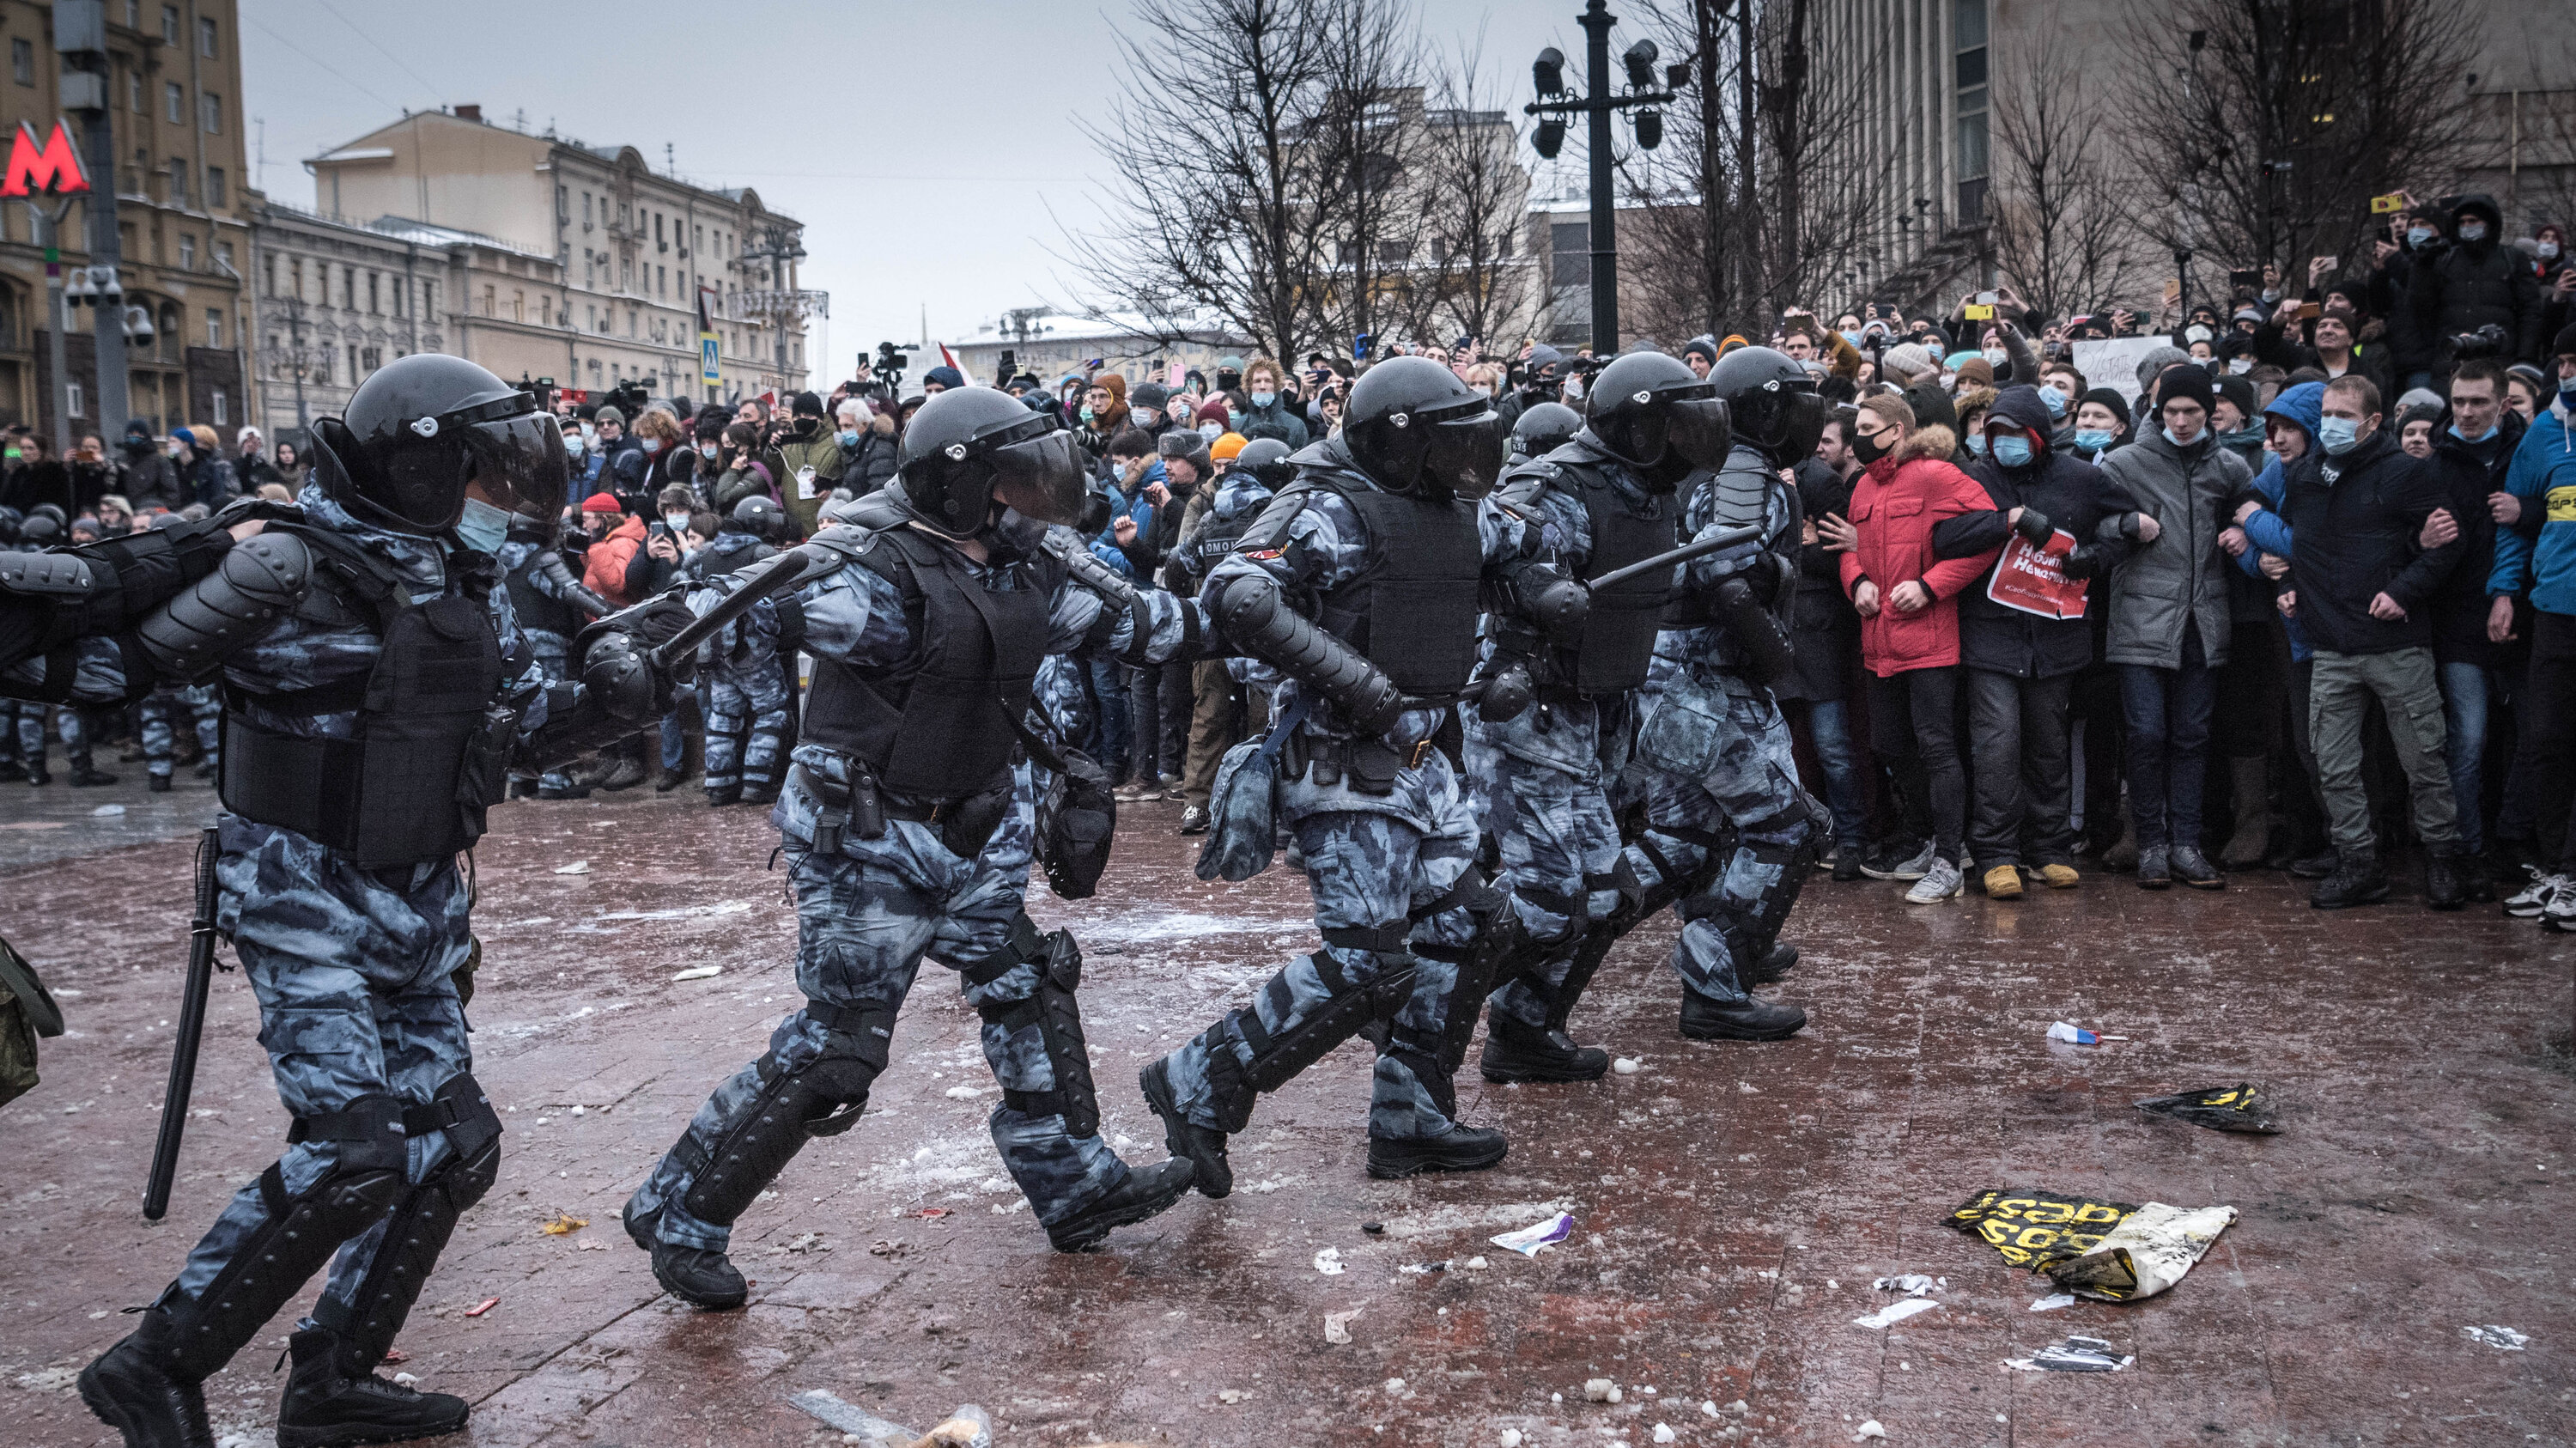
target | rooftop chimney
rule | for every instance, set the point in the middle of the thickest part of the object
(469, 113)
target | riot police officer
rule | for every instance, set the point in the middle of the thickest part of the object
(743, 673)
(909, 820)
(1359, 585)
(1543, 429)
(368, 661)
(1544, 770)
(551, 605)
(1730, 835)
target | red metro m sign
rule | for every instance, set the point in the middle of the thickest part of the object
(54, 166)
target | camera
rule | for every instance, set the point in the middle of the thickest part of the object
(2486, 341)
(888, 368)
(627, 397)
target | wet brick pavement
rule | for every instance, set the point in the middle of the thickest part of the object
(1732, 1203)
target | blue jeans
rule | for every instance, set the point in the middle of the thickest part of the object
(1829, 729)
(2464, 714)
(1109, 689)
(2167, 714)
(675, 743)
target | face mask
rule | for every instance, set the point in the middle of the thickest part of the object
(2464, 437)
(1144, 416)
(2196, 333)
(2547, 250)
(1995, 356)
(2418, 235)
(1867, 449)
(2473, 231)
(849, 437)
(2567, 397)
(482, 527)
(1976, 444)
(706, 450)
(2053, 400)
(2012, 452)
(2092, 439)
(1264, 399)
(1211, 431)
(2178, 442)
(1574, 388)
(572, 444)
(1852, 337)
(652, 445)
(2240, 365)
(1086, 414)
(2339, 434)
(589, 432)
(678, 522)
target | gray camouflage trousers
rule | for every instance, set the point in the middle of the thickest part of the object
(746, 704)
(68, 724)
(1559, 840)
(160, 710)
(1720, 758)
(865, 917)
(354, 974)
(1366, 870)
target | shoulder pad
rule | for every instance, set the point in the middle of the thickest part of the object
(44, 575)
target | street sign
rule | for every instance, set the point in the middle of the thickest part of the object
(53, 165)
(707, 359)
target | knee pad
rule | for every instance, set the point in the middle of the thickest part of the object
(1350, 1006)
(1056, 1013)
(822, 1097)
(423, 1220)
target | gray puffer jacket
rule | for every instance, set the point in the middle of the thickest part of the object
(2181, 578)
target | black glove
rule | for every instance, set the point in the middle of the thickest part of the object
(2034, 527)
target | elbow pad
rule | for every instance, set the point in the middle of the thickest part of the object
(1258, 622)
(570, 589)
(257, 580)
(1556, 604)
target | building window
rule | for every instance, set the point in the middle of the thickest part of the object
(269, 274)
(354, 373)
(215, 186)
(22, 62)
(429, 300)
(187, 252)
(223, 410)
(174, 100)
(206, 47)
(170, 24)
(295, 276)
(371, 357)
(563, 203)
(178, 183)
(134, 14)
(1968, 25)
(662, 280)
(210, 113)
(134, 91)
(224, 255)
(77, 404)
(1571, 262)
(491, 300)
(633, 317)
(585, 211)
(518, 306)
(402, 296)
(215, 329)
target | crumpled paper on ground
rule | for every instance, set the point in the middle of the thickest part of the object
(2075, 1355)
(2148, 1252)
(2241, 1107)
(2036, 1228)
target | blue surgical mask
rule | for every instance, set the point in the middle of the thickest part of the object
(2464, 437)
(1264, 399)
(2339, 434)
(652, 445)
(2012, 452)
(2418, 235)
(1211, 431)
(677, 522)
(1852, 337)
(2053, 400)
(1976, 444)
(2178, 442)
(482, 527)
(2473, 231)
(1086, 414)
(849, 437)
(573, 444)
(2092, 439)
(2567, 396)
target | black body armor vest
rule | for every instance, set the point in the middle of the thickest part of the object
(1413, 608)
(534, 607)
(1619, 631)
(432, 739)
(938, 725)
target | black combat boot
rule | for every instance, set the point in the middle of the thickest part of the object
(1202, 1147)
(692, 1274)
(718, 796)
(137, 1389)
(2444, 887)
(1460, 1148)
(1146, 1192)
(2357, 880)
(332, 1400)
(159, 783)
(86, 777)
(1750, 1019)
(1773, 967)
(1515, 1051)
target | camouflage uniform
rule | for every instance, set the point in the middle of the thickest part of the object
(205, 710)
(547, 648)
(1399, 866)
(868, 910)
(1729, 830)
(743, 677)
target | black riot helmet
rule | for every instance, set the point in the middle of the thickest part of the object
(761, 518)
(1417, 429)
(1650, 411)
(1772, 401)
(1265, 461)
(421, 428)
(969, 448)
(1543, 429)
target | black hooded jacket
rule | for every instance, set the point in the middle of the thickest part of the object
(2077, 497)
(2472, 284)
(2460, 609)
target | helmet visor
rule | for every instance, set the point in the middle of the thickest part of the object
(1040, 477)
(1802, 425)
(518, 463)
(1465, 454)
(1701, 430)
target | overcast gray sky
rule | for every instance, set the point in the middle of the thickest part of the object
(937, 153)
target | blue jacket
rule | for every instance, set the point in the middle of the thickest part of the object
(2303, 405)
(1124, 504)
(2539, 552)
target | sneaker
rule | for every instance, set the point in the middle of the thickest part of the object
(1194, 820)
(2059, 877)
(1910, 869)
(2534, 898)
(669, 780)
(2003, 882)
(1940, 881)
(2560, 913)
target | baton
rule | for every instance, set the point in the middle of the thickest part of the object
(192, 1025)
(1717, 542)
(759, 581)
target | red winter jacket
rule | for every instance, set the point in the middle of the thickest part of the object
(604, 564)
(1898, 500)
